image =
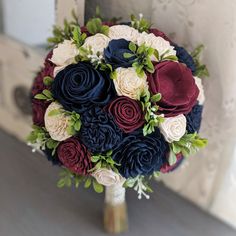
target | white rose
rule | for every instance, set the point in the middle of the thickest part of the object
(56, 125)
(158, 43)
(124, 32)
(201, 95)
(97, 42)
(173, 128)
(63, 55)
(129, 84)
(107, 177)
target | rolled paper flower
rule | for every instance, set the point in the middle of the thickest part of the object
(140, 155)
(173, 128)
(114, 53)
(74, 156)
(129, 84)
(123, 32)
(97, 43)
(38, 110)
(63, 55)
(107, 177)
(194, 119)
(79, 87)
(177, 86)
(158, 43)
(56, 125)
(127, 113)
(99, 131)
(201, 95)
(185, 57)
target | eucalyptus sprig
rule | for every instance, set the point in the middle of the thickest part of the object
(45, 95)
(104, 161)
(150, 108)
(140, 185)
(141, 24)
(188, 145)
(39, 138)
(95, 26)
(69, 179)
(201, 69)
(65, 32)
(142, 58)
(74, 123)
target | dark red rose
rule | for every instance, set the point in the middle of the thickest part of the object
(166, 168)
(74, 156)
(157, 33)
(127, 113)
(47, 70)
(177, 86)
(38, 110)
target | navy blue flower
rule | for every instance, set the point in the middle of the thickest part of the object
(194, 119)
(140, 155)
(114, 53)
(79, 87)
(185, 57)
(99, 132)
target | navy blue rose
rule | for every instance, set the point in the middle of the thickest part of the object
(185, 57)
(99, 132)
(140, 155)
(194, 119)
(79, 87)
(114, 53)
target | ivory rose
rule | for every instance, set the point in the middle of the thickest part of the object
(56, 125)
(97, 42)
(107, 177)
(64, 55)
(158, 43)
(123, 32)
(129, 84)
(173, 128)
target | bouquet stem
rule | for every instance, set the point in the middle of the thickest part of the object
(115, 211)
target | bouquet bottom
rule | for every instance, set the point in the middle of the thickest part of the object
(115, 210)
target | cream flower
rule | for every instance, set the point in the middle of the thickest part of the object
(97, 42)
(64, 55)
(56, 125)
(129, 84)
(107, 177)
(158, 43)
(173, 128)
(123, 31)
(201, 95)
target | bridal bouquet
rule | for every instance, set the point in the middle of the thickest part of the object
(117, 104)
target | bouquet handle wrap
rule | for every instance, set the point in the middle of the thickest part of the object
(115, 210)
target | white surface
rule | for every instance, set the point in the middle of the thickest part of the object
(29, 21)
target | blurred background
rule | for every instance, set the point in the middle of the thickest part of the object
(207, 180)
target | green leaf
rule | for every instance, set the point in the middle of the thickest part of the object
(127, 55)
(40, 96)
(54, 112)
(172, 158)
(156, 97)
(97, 187)
(47, 80)
(88, 182)
(77, 125)
(47, 93)
(61, 183)
(132, 47)
(113, 75)
(129, 183)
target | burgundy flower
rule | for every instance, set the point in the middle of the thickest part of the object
(166, 168)
(74, 156)
(177, 86)
(157, 33)
(127, 113)
(38, 110)
(47, 70)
